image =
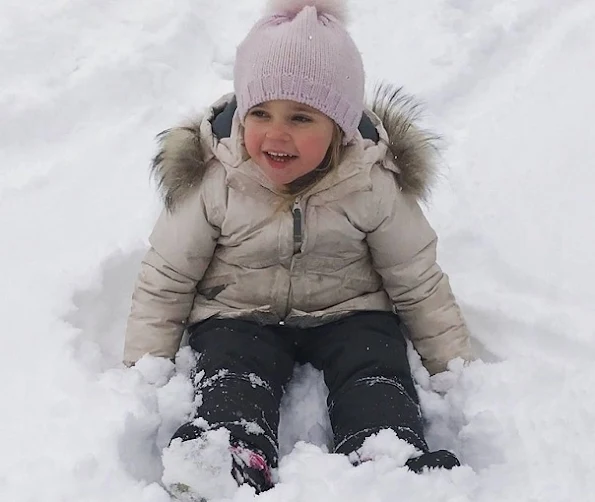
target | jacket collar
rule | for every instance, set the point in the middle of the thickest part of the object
(402, 147)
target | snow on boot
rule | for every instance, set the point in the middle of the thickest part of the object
(200, 469)
(433, 460)
(250, 467)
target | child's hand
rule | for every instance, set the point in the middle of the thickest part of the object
(443, 382)
(155, 370)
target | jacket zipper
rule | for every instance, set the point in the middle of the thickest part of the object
(298, 224)
(298, 241)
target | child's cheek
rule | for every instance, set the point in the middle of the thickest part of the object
(315, 146)
(251, 143)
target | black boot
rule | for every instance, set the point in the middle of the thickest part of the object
(249, 466)
(441, 459)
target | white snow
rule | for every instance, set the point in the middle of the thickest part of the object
(202, 465)
(84, 88)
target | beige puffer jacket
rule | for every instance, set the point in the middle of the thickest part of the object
(357, 240)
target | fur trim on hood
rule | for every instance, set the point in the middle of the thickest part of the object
(181, 160)
(414, 149)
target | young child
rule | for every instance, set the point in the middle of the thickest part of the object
(292, 233)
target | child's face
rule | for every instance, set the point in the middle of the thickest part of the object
(286, 139)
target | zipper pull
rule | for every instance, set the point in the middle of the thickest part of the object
(297, 227)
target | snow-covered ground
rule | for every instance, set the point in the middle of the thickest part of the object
(84, 87)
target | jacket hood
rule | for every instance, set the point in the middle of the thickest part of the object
(183, 156)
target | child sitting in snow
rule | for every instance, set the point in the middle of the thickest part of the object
(292, 233)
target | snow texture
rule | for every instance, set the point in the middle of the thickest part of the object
(200, 466)
(84, 88)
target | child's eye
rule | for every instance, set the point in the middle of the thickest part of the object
(302, 119)
(258, 114)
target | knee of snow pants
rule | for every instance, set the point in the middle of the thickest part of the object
(241, 372)
(365, 365)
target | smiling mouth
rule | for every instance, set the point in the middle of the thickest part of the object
(280, 156)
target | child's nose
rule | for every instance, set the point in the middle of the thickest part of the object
(277, 132)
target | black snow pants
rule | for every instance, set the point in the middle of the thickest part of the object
(243, 368)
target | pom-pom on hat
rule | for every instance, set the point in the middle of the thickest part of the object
(335, 8)
(301, 51)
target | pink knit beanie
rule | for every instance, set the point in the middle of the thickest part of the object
(301, 51)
